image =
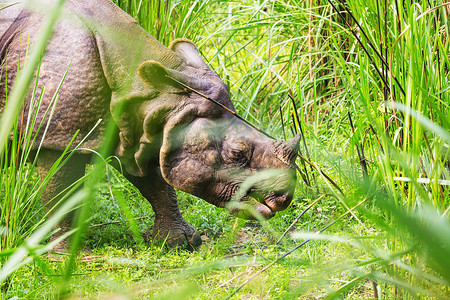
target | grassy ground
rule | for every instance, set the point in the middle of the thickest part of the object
(233, 249)
(369, 121)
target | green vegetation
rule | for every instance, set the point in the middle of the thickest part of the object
(371, 93)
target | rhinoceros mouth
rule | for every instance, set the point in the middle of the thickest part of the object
(266, 206)
(278, 202)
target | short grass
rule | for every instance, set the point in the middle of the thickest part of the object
(233, 249)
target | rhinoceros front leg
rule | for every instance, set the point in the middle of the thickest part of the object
(69, 172)
(168, 220)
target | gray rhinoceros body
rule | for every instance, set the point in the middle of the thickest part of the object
(167, 136)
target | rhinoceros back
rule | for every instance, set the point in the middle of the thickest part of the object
(7, 18)
(104, 47)
(84, 96)
(9, 21)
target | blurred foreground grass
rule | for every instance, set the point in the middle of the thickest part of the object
(372, 123)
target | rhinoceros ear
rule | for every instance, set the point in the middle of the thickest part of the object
(188, 52)
(156, 75)
(153, 74)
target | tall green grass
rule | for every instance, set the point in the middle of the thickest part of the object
(18, 193)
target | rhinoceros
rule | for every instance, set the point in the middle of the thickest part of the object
(168, 136)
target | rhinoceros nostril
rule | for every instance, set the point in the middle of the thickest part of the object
(278, 202)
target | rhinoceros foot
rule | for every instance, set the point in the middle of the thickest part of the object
(176, 233)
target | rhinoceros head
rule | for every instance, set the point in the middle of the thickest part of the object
(204, 149)
(213, 158)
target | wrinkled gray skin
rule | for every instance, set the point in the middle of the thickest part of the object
(167, 137)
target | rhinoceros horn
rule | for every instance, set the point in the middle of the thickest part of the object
(294, 144)
(287, 151)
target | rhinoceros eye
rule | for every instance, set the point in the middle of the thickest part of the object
(236, 152)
